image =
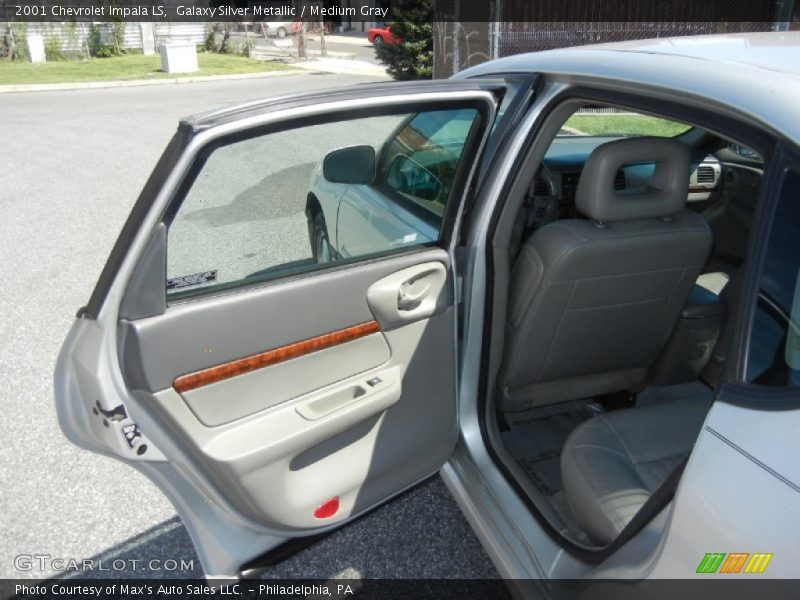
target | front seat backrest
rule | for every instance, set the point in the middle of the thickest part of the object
(592, 301)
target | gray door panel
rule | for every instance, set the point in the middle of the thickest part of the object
(195, 335)
(315, 426)
(235, 398)
(367, 448)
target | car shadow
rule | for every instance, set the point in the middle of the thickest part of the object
(164, 551)
(280, 194)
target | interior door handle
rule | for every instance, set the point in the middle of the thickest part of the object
(409, 295)
(408, 298)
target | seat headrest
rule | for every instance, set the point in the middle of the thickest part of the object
(664, 195)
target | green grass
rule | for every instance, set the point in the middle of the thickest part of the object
(625, 125)
(121, 68)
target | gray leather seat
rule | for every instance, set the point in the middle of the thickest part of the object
(612, 463)
(593, 301)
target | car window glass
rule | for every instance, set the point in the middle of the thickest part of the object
(262, 207)
(512, 89)
(614, 122)
(773, 355)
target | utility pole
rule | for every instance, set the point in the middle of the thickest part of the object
(301, 42)
(494, 29)
(86, 41)
(323, 49)
(784, 10)
(456, 36)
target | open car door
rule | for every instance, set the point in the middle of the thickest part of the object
(273, 388)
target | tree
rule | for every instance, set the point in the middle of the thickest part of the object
(412, 58)
(7, 48)
(12, 40)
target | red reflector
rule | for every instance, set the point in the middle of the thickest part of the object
(327, 508)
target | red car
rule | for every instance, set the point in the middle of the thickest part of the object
(382, 35)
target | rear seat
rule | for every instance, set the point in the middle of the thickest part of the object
(613, 462)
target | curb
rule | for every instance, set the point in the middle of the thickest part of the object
(342, 67)
(331, 53)
(93, 85)
(332, 38)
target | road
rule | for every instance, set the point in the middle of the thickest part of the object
(353, 44)
(72, 166)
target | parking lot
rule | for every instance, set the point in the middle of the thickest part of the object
(72, 166)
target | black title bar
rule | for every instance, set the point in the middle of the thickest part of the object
(380, 11)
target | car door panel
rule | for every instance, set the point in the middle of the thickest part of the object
(249, 424)
(254, 403)
(731, 216)
(197, 334)
(227, 399)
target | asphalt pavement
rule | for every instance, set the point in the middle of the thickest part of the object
(72, 164)
(355, 46)
(351, 44)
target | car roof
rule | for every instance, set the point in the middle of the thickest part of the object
(773, 51)
(755, 73)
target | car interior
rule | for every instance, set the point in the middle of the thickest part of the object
(618, 285)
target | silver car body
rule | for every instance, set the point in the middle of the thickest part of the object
(752, 77)
(351, 232)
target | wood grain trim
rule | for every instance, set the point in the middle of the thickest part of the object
(192, 381)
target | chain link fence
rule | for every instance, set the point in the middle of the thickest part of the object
(516, 38)
(525, 26)
(457, 46)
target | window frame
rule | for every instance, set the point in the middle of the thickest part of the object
(785, 160)
(474, 147)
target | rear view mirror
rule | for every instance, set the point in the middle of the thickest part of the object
(353, 165)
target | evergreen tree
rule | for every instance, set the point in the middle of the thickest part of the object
(412, 58)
